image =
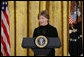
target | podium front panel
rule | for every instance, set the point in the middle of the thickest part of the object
(30, 43)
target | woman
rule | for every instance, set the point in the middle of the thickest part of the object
(45, 29)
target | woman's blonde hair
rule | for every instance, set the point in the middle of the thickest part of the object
(44, 13)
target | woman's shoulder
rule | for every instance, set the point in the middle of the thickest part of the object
(49, 26)
(52, 27)
(36, 28)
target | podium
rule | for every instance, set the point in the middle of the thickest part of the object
(41, 49)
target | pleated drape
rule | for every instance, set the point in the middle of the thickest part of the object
(23, 16)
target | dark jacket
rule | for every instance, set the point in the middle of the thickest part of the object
(47, 31)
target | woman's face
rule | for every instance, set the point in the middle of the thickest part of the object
(43, 20)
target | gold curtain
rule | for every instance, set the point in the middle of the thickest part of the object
(23, 18)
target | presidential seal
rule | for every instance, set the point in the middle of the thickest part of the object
(41, 41)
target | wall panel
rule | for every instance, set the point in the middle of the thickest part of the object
(12, 26)
(21, 27)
